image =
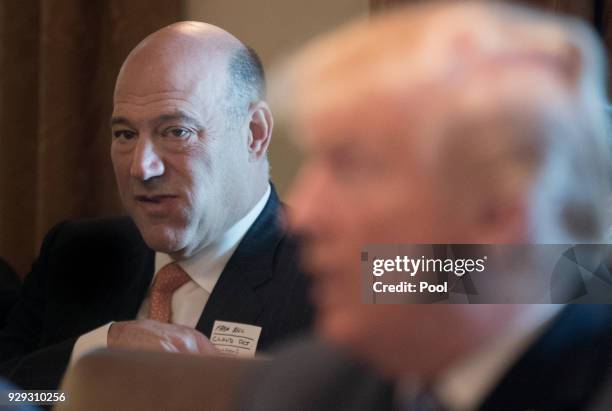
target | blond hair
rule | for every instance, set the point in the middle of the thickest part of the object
(518, 94)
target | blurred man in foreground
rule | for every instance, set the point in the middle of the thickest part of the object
(446, 123)
(204, 250)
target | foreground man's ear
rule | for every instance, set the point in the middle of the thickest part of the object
(497, 221)
(260, 130)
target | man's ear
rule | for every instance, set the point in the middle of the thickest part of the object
(260, 130)
(495, 221)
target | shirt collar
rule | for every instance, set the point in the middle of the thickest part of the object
(205, 267)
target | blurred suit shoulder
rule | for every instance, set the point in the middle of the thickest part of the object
(309, 375)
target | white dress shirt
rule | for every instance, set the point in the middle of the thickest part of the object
(188, 301)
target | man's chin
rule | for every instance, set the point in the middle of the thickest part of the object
(360, 341)
(338, 326)
(162, 239)
(163, 245)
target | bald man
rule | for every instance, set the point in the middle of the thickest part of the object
(202, 263)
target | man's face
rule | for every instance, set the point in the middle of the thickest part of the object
(363, 182)
(367, 180)
(178, 165)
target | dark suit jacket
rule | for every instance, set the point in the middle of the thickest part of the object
(568, 368)
(90, 273)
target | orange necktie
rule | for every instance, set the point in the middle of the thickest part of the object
(166, 282)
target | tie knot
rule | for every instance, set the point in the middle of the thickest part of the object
(169, 278)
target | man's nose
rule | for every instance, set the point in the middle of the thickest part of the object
(146, 162)
(306, 200)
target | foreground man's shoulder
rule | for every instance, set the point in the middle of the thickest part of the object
(309, 374)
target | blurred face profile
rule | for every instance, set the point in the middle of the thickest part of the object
(363, 182)
(393, 156)
(178, 165)
(366, 180)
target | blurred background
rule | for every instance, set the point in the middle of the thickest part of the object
(58, 63)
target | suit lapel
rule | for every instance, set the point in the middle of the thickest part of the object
(141, 272)
(135, 274)
(563, 368)
(235, 297)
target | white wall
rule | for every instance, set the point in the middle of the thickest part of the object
(274, 28)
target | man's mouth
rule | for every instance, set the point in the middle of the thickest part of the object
(158, 205)
(154, 199)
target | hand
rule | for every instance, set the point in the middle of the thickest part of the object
(149, 335)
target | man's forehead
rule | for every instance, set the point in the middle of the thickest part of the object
(180, 59)
(170, 73)
(145, 87)
(362, 124)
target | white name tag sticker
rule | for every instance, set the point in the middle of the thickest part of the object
(235, 339)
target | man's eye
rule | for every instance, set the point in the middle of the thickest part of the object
(125, 134)
(178, 132)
